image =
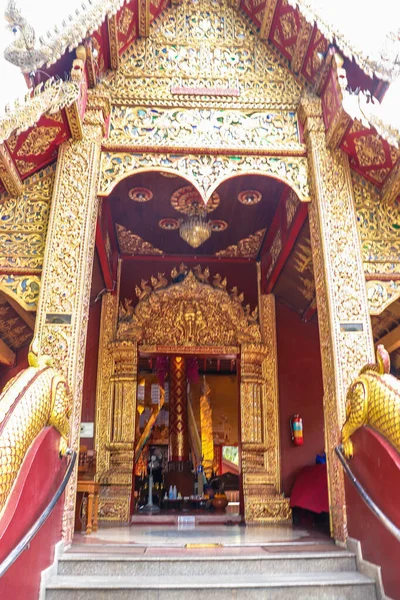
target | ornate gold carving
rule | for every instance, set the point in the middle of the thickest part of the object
(373, 399)
(205, 171)
(302, 44)
(66, 278)
(195, 128)
(130, 243)
(267, 18)
(113, 41)
(8, 173)
(24, 289)
(47, 99)
(344, 323)
(188, 48)
(247, 248)
(38, 140)
(378, 224)
(381, 294)
(108, 324)
(369, 150)
(260, 424)
(391, 187)
(144, 17)
(23, 224)
(35, 398)
(291, 206)
(198, 315)
(206, 428)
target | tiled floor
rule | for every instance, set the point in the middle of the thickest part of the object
(175, 536)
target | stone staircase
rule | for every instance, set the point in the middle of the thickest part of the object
(273, 572)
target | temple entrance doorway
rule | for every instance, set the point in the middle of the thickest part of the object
(187, 440)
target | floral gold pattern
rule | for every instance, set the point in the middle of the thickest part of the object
(129, 243)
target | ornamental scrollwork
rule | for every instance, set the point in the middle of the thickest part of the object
(199, 313)
(216, 58)
(23, 224)
(204, 128)
(379, 225)
(24, 289)
(205, 171)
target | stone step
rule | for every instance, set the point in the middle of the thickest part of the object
(262, 563)
(288, 586)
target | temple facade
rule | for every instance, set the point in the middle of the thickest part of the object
(199, 226)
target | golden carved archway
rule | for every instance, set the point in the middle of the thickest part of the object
(191, 315)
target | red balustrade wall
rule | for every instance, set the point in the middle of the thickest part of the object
(377, 467)
(92, 351)
(300, 391)
(38, 479)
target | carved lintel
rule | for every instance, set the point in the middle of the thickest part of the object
(301, 47)
(113, 41)
(267, 18)
(144, 17)
(391, 187)
(8, 173)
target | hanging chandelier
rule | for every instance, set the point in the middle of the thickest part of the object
(195, 230)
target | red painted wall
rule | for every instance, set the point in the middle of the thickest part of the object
(92, 351)
(7, 373)
(377, 467)
(300, 391)
(38, 479)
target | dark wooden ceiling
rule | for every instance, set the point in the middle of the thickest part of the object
(142, 218)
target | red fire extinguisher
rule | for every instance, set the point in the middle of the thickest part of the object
(296, 429)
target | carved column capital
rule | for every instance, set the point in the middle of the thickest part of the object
(310, 114)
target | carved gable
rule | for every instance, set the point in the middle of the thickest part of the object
(203, 54)
(188, 313)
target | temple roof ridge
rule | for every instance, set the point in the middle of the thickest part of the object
(385, 66)
(28, 56)
(49, 98)
(25, 53)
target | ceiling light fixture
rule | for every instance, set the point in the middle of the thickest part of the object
(195, 230)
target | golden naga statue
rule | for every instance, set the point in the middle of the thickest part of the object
(373, 399)
(35, 398)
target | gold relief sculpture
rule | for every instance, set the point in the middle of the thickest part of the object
(66, 277)
(199, 314)
(373, 399)
(130, 243)
(195, 128)
(247, 248)
(381, 294)
(344, 323)
(206, 427)
(378, 224)
(43, 399)
(188, 53)
(38, 140)
(23, 224)
(108, 324)
(205, 171)
(9, 175)
(24, 289)
(260, 424)
(49, 98)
